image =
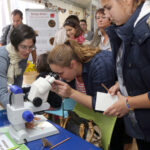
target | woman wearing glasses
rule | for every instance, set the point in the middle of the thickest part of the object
(13, 59)
(101, 38)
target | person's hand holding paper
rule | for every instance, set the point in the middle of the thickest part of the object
(104, 101)
(111, 103)
(119, 108)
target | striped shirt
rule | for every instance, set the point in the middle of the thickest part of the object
(80, 85)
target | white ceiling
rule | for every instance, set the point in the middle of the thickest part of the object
(80, 3)
(85, 3)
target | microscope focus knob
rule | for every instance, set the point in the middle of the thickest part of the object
(37, 102)
(27, 116)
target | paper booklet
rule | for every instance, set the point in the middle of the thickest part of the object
(7, 143)
(104, 100)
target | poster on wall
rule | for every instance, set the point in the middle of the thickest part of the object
(45, 24)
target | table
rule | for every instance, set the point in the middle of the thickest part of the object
(74, 143)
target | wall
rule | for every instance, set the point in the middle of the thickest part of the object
(64, 8)
(33, 4)
(68, 8)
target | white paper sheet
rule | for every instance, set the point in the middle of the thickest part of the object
(104, 100)
(5, 143)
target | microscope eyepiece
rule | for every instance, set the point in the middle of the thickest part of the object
(52, 74)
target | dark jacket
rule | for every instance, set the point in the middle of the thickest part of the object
(5, 33)
(100, 69)
(136, 61)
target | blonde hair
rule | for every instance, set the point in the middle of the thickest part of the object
(136, 3)
(63, 54)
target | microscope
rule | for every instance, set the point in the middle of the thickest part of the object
(20, 112)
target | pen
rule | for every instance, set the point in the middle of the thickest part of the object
(13, 148)
(60, 143)
(104, 86)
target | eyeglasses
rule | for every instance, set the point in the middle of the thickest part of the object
(103, 17)
(31, 48)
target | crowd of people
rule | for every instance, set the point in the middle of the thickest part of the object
(117, 55)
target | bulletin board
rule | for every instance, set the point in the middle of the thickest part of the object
(45, 24)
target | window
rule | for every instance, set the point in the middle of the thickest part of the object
(7, 6)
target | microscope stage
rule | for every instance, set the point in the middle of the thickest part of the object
(42, 128)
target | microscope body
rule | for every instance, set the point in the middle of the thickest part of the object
(20, 112)
(40, 89)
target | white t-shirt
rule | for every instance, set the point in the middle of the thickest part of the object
(60, 36)
(102, 45)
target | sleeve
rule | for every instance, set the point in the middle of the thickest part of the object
(148, 55)
(144, 55)
(4, 35)
(4, 94)
(103, 72)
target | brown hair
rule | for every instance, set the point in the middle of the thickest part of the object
(63, 54)
(138, 2)
(17, 12)
(21, 33)
(42, 64)
(74, 23)
(83, 20)
(101, 11)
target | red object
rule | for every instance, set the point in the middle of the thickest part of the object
(52, 15)
(80, 39)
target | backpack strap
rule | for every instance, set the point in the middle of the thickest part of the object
(90, 132)
(8, 29)
(81, 130)
(5, 35)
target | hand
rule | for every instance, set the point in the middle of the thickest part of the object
(30, 125)
(61, 88)
(119, 108)
(114, 89)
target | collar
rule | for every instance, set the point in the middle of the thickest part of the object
(85, 67)
(100, 33)
(125, 31)
(144, 11)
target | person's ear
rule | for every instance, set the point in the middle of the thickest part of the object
(72, 64)
(128, 7)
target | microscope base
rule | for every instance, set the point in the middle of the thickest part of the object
(42, 129)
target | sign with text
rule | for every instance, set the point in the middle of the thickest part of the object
(45, 24)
